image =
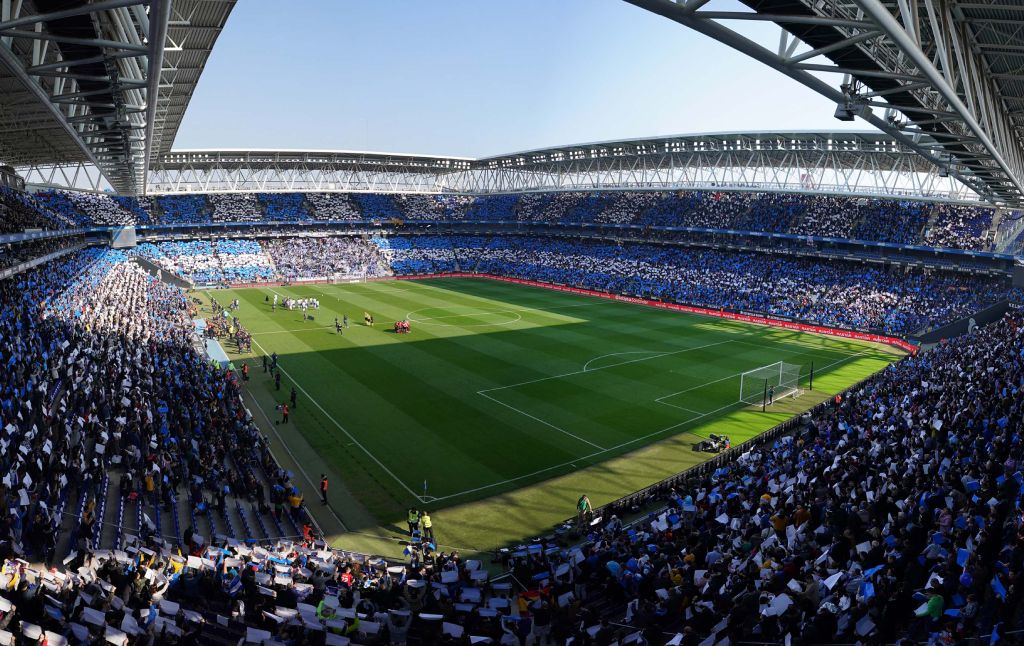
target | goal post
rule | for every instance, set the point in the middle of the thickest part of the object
(781, 377)
(349, 277)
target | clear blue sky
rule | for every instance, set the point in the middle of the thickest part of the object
(478, 77)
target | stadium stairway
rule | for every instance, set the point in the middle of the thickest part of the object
(1010, 241)
(156, 212)
(796, 223)
(855, 226)
(165, 275)
(988, 239)
(933, 219)
(273, 265)
(744, 217)
(119, 519)
(458, 262)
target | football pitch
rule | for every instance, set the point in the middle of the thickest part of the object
(509, 397)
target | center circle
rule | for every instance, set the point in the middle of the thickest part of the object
(444, 317)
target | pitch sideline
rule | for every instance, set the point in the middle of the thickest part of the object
(343, 429)
(288, 450)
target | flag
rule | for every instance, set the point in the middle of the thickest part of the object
(235, 586)
(871, 571)
(995, 636)
(998, 588)
(535, 594)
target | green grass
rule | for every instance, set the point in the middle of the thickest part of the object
(509, 401)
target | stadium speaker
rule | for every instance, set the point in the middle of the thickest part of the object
(844, 113)
(848, 110)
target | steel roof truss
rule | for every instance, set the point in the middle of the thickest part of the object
(896, 46)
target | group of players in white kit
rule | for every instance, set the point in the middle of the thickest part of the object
(298, 303)
(306, 304)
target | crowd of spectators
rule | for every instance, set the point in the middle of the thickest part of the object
(377, 206)
(15, 254)
(858, 218)
(591, 207)
(960, 227)
(545, 207)
(183, 209)
(418, 206)
(835, 292)
(773, 212)
(20, 211)
(493, 208)
(418, 254)
(283, 207)
(893, 221)
(624, 210)
(212, 263)
(894, 513)
(90, 209)
(235, 207)
(443, 207)
(325, 257)
(831, 217)
(333, 206)
(141, 207)
(116, 434)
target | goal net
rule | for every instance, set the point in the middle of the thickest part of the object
(782, 378)
(349, 277)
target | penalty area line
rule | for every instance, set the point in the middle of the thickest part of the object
(586, 366)
(660, 400)
(617, 446)
(614, 365)
(537, 419)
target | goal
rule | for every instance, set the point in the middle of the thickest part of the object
(783, 377)
(349, 277)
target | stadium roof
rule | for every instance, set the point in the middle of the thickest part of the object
(944, 79)
(949, 71)
(846, 145)
(104, 83)
(868, 163)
